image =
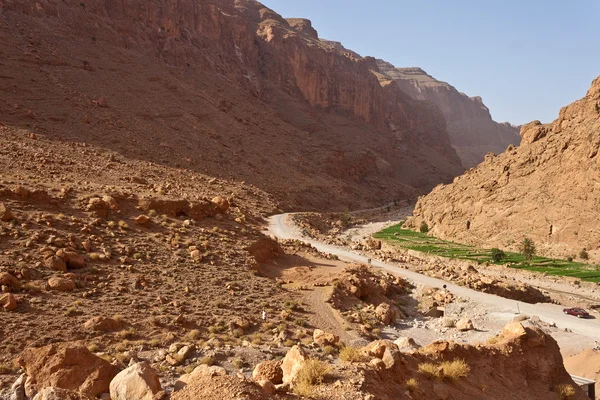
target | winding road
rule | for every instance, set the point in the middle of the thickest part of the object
(282, 227)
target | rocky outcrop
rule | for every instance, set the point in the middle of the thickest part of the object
(546, 189)
(473, 132)
(230, 88)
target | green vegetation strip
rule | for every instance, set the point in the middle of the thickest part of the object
(422, 242)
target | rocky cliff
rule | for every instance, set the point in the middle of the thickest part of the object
(472, 130)
(224, 87)
(547, 189)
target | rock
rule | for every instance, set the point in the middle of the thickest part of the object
(377, 363)
(268, 371)
(201, 370)
(18, 388)
(464, 324)
(292, 363)
(73, 259)
(377, 348)
(322, 338)
(406, 344)
(111, 202)
(142, 220)
(55, 263)
(391, 356)
(61, 284)
(386, 313)
(196, 255)
(221, 204)
(67, 366)
(5, 214)
(98, 207)
(102, 324)
(267, 387)
(138, 382)
(10, 281)
(52, 393)
(8, 302)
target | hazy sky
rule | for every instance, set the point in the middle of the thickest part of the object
(525, 58)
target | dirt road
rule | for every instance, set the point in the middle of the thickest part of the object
(282, 227)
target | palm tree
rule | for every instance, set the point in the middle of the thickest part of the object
(527, 248)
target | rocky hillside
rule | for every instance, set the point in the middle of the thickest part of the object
(223, 87)
(472, 130)
(546, 189)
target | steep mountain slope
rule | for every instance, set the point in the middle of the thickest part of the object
(223, 87)
(547, 189)
(472, 130)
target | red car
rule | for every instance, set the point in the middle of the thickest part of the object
(577, 312)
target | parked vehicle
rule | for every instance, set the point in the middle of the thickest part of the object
(577, 312)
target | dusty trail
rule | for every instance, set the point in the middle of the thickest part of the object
(282, 227)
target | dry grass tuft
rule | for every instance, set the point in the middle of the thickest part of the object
(412, 385)
(312, 373)
(565, 391)
(455, 369)
(352, 354)
(430, 370)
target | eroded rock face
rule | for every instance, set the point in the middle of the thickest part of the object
(266, 83)
(66, 366)
(473, 132)
(545, 190)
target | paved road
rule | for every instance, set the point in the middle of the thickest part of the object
(282, 227)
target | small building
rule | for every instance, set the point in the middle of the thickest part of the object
(587, 385)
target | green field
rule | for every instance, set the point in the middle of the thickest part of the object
(418, 241)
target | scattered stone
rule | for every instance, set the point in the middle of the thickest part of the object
(55, 263)
(102, 324)
(322, 338)
(8, 301)
(267, 387)
(142, 220)
(52, 393)
(61, 284)
(464, 324)
(406, 344)
(221, 204)
(5, 214)
(138, 382)
(10, 281)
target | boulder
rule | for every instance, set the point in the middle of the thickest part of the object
(8, 302)
(200, 371)
(61, 284)
(267, 387)
(17, 389)
(464, 324)
(52, 393)
(268, 371)
(66, 366)
(139, 382)
(5, 213)
(377, 348)
(221, 204)
(322, 338)
(102, 324)
(292, 363)
(111, 202)
(98, 207)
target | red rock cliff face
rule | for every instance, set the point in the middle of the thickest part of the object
(229, 87)
(472, 130)
(547, 189)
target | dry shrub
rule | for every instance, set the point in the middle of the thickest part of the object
(412, 385)
(352, 354)
(455, 369)
(312, 373)
(430, 370)
(565, 391)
